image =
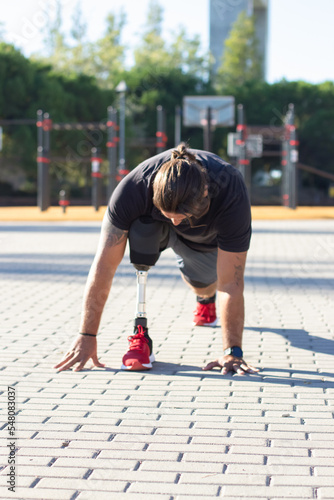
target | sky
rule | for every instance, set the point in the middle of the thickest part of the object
(300, 44)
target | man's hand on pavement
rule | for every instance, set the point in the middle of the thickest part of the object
(230, 363)
(82, 349)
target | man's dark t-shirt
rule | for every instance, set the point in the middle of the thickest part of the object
(226, 225)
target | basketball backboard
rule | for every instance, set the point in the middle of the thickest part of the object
(195, 111)
(254, 145)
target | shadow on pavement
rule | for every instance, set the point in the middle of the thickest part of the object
(299, 338)
(280, 376)
(52, 265)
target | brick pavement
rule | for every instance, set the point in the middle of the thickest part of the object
(174, 432)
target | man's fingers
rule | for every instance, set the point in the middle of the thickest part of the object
(65, 359)
(66, 366)
(67, 363)
(249, 368)
(237, 366)
(97, 362)
(238, 369)
(253, 368)
(58, 365)
(211, 365)
(80, 366)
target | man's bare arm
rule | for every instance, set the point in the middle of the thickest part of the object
(230, 270)
(109, 254)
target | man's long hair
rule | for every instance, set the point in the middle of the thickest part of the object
(180, 184)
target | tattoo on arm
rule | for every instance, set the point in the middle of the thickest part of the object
(112, 235)
(239, 270)
(238, 275)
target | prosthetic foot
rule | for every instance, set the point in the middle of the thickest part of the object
(140, 355)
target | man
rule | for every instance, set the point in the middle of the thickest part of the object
(197, 204)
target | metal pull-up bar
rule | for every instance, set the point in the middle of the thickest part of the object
(44, 127)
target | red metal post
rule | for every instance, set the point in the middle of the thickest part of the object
(96, 160)
(243, 162)
(44, 126)
(112, 149)
(289, 161)
(161, 132)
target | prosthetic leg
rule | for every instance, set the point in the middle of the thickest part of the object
(141, 318)
(147, 238)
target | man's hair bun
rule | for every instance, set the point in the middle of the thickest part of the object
(181, 153)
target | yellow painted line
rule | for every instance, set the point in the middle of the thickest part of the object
(87, 214)
(283, 213)
(52, 214)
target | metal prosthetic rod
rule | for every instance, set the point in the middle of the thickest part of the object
(141, 318)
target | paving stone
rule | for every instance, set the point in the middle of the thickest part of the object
(174, 489)
(134, 476)
(31, 470)
(221, 479)
(81, 484)
(226, 458)
(324, 471)
(86, 495)
(96, 463)
(293, 480)
(198, 467)
(37, 494)
(269, 470)
(324, 492)
(242, 491)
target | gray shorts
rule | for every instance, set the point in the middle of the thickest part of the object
(148, 238)
(198, 268)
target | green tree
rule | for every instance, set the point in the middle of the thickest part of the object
(316, 140)
(73, 53)
(183, 52)
(152, 50)
(55, 41)
(241, 61)
(78, 52)
(107, 55)
(186, 54)
(28, 85)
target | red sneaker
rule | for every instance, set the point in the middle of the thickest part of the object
(139, 355)
(205, 315)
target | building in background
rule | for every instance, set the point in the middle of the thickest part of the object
(223, 13)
